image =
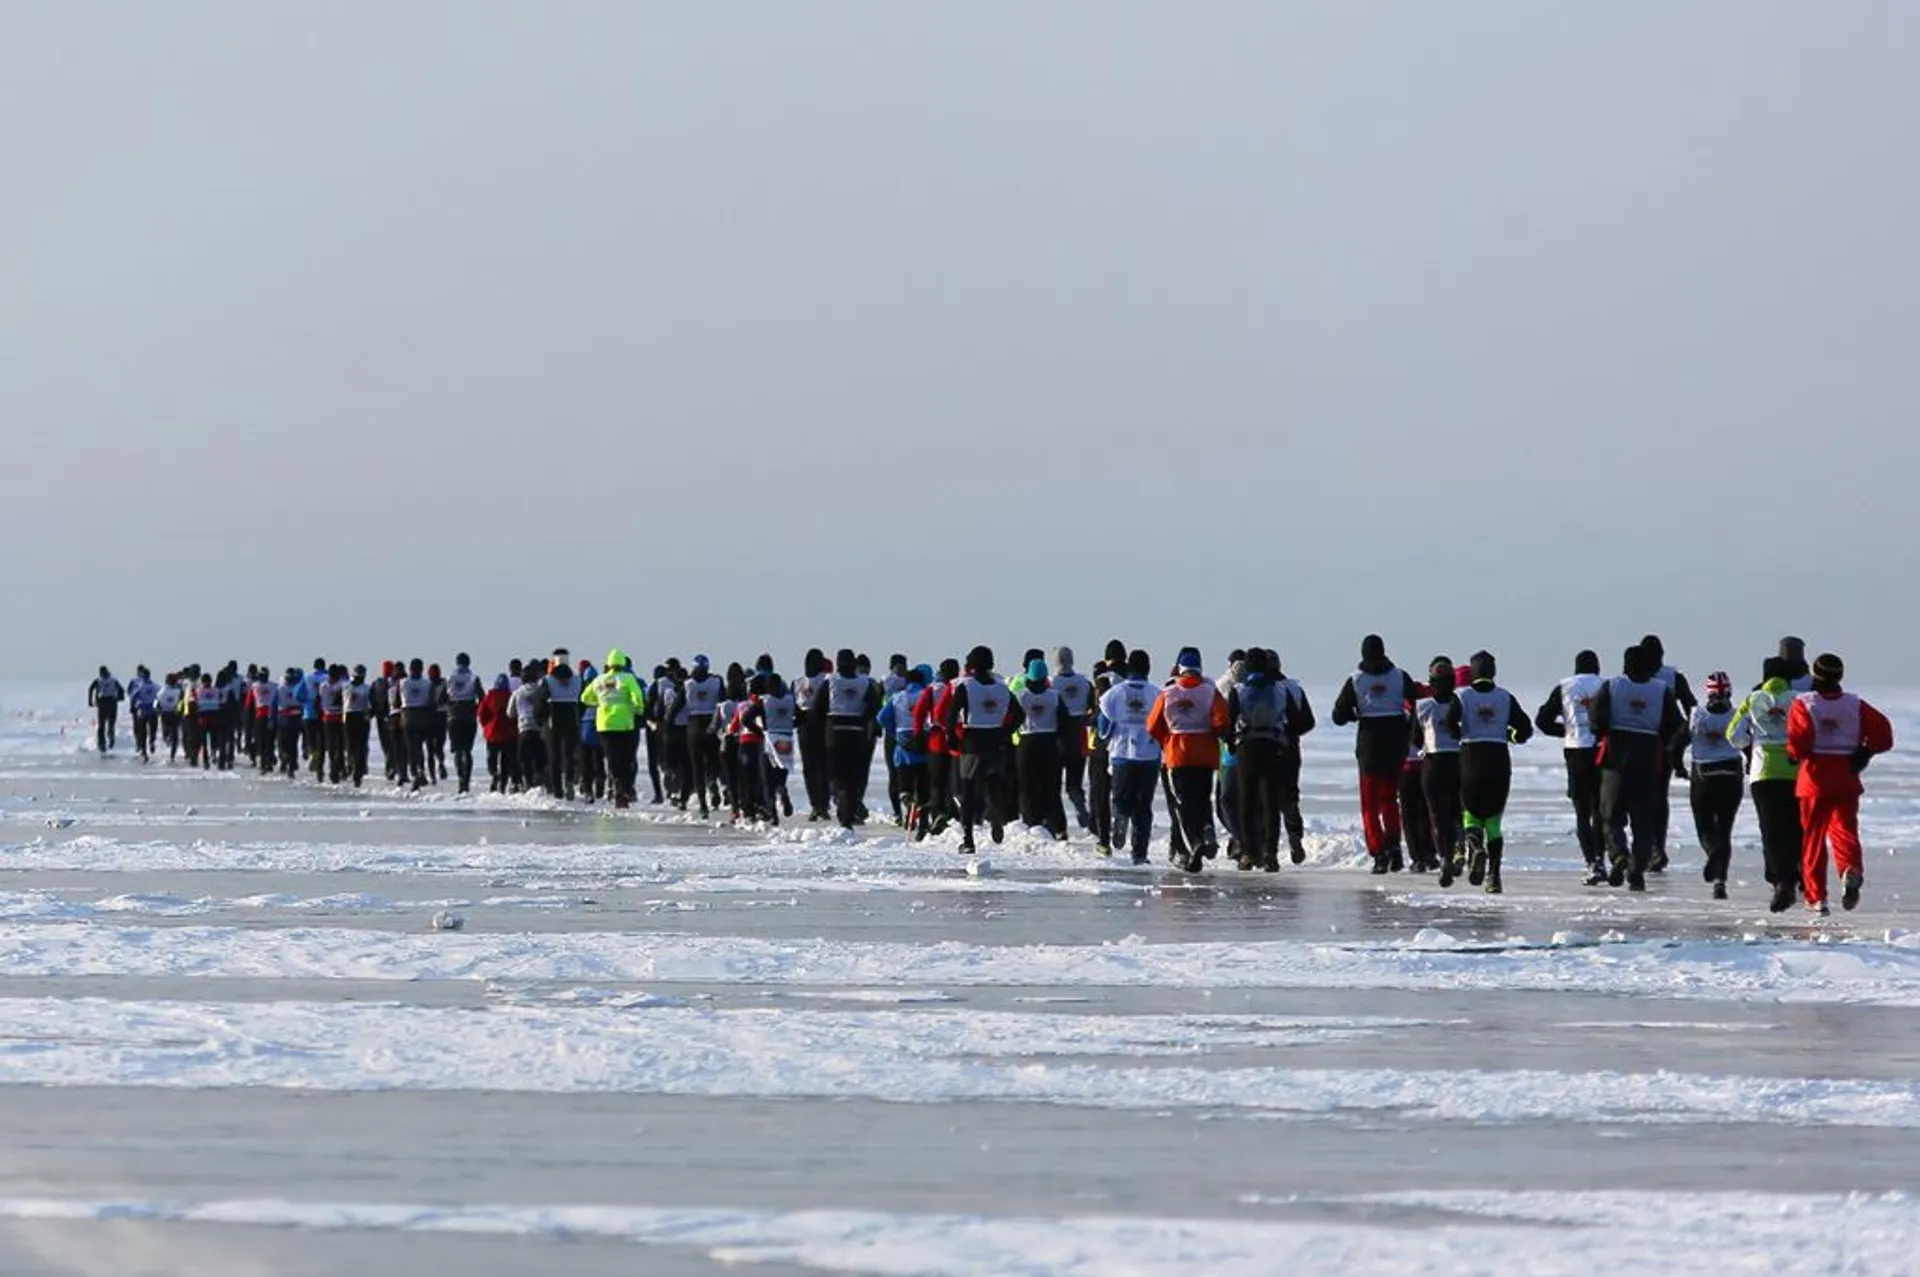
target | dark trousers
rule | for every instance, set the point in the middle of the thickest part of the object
(1416, 822)
(1133, 784)
(359, 727)
(1631, 800)
(1192, 789)
(656, 756)
(814, 770)
(170, 732)
(291, 731)
(1100, 797)
(417, 726)
(623, 763)
(1440, 786)
(677, 762)
(1715, 796)
(462, 730)
(850, 759)
(503, 766)
(1583, 790)
(1226, 800)
(145, 728)
(392, 751)
(335, 731)
(1290, 795)
(894, 797)
(983, 779)
(1037, 763)
(752, 783)
(916, 792)
(106, 722)
(314, 741)
(1073, 766)
(593, 770)
(1260, 779)
(563, 759)
(532, 754)
(703, 761)
(1780, 840)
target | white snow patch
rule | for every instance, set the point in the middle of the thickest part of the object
(1488, 1234)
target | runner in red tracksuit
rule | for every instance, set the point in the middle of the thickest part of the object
(1832, 734)
(1377, 698)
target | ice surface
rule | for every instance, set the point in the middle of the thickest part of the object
(815, 1025)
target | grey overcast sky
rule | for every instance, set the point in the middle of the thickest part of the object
(392, 328)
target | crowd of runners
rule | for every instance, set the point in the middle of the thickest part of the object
(964, 746)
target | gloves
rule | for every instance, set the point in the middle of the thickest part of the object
(1860, 758)
(1679, 771)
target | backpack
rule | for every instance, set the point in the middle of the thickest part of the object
(1260, 712)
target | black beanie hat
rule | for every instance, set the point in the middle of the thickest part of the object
(1828, 668)
(1116, 653)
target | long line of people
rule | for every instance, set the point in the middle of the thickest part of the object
(962, 745)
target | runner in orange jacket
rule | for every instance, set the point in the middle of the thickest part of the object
(1188, 720)
(1832, 734)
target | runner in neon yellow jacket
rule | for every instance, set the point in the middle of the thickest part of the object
(1759, 726)
(618, 703)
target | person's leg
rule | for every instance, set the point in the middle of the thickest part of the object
(1647, 790)
(1290, 803)
(1614, 818)
(1073, 771)
(655, 750)
(1053, 808)
(1843, 832)
(1193, 788)
(1415, 824)
(971, 797)
(1779, 814)
(1100, 799)
(1816, 813)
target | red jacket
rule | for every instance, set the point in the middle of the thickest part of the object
(497, 723)
(929, 721)
(1832, 775)
(949, 743)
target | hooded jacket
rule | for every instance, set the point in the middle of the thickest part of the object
(497, 723)
(1189, 749)
(616, 697)
(1759, 727)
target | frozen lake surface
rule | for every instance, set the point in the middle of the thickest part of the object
(233, 1042)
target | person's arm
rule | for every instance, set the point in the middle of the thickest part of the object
(93, 694)
(1221, 724)
(1800, 731)
(1740, 726)
(1300, 718)
(1519, 726)
(1671, 719)
(1876, 736)
(1677, 743)
(1157, 719)
(1600, 713)
(1455, 719)
(1551, 719)
(1683, 693)
(1346, 706)
(956, 704)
